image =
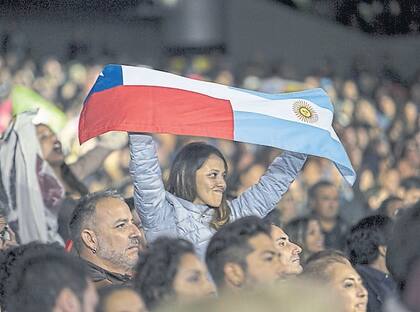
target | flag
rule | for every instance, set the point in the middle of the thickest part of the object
(136, 99)
(25, 99)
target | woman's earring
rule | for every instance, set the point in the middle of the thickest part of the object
(94, 250)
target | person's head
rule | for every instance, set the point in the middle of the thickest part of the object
(306, 232)
(289, 251)
(10, 258)
(403, 246)
(118, 298)
(50, 145)
(242, 254)
(391, 206)
(324, 200)
(368, 239)
(51, 281)
(410, 190)
(198, 174)
(170, 269)
(335, 270)
(103, 231)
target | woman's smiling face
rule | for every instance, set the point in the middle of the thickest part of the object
(210, 182)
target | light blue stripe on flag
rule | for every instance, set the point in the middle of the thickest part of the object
(317, 96)
(292, 136)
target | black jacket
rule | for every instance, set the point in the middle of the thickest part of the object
(102, 277)
(380, 287)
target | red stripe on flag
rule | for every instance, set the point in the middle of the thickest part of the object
(155, 109)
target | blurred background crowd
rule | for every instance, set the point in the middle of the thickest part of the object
(376, 117)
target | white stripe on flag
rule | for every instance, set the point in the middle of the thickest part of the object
(149, 77)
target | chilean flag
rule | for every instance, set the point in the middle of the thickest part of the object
(137, 99)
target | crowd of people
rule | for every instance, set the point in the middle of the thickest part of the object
(197, 223)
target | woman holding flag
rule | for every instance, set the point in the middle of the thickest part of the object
(138, 100)
(195, 205)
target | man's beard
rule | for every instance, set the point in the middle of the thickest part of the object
(115, 257)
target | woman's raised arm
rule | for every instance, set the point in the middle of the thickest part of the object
(261, 198)
(157, 215)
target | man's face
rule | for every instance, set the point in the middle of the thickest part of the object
(263, 265)
(289, 252)
(118, 238)
(325, 203)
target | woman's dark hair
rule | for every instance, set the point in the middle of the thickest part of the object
(182, 182)
(297, 230)
(157, 268)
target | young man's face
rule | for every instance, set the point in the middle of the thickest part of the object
(263, 264)
(289, 252)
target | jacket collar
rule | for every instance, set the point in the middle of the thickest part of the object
(99, 274)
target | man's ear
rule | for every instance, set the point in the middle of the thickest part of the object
(67, 301)
(234, 275)
(382, 250)
(89, 239)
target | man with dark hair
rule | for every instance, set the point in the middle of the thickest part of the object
(50, 280)
(242, 254)
(106, 237)
(403, 260)
(410, 190)
(323, 201)
(366, 245)
(289, 251)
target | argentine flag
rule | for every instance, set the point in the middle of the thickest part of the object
(137, 99)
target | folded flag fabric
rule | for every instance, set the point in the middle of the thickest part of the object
(137, 99)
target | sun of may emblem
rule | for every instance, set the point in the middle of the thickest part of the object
(305, 112)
